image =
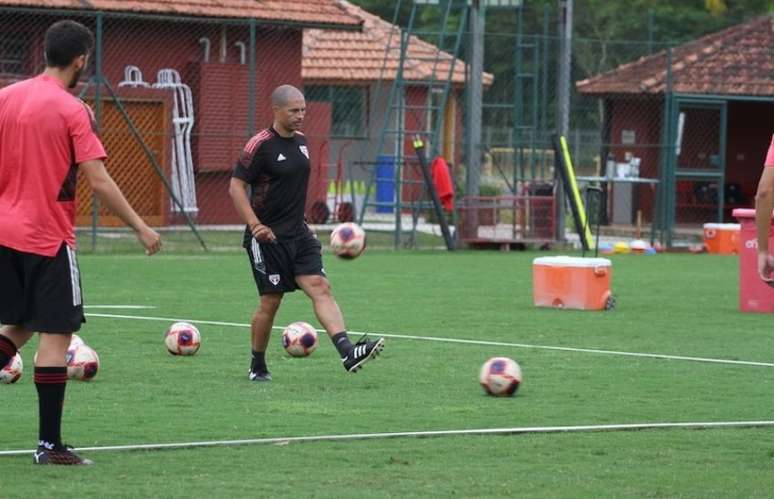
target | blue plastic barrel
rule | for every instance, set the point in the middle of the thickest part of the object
(385, 182)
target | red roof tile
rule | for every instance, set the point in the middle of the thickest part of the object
(338, 56)
(309, 12)
(736, 61)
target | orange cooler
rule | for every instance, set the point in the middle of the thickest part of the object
(571, 282)
(722, 239)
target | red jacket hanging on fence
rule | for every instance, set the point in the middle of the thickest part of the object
(443, 182)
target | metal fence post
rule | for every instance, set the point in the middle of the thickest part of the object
(475, 95)
(98, 79)
(668, 185)
(251, 90)
(563, 99)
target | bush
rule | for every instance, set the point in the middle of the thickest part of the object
(490, 190)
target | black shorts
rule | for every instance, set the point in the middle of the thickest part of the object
(276, 265)
(40, 293)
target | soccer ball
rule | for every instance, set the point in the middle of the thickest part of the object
(182, 338)
(299, 339)
(348, 241)
(13, 371)
(82, 363)
(500, 376)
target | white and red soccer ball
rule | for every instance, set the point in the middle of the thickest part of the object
(500, 376)
(299, 339)
(182, 338)
(82, 362)
(12, 371)
(348, 240)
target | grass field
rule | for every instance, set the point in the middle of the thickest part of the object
(667, 304)
(183, 240)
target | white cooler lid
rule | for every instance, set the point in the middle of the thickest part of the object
(571, 261)
(723, 226)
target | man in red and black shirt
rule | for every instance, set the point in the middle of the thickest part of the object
(284, 254)
(46, 135)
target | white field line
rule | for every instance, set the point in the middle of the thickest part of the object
(472, 342)
(421, 434)
(126, 307)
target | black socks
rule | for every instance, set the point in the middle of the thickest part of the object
(258, 365)
(51, 383)
(342, 343)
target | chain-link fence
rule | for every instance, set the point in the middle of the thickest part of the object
(175, 100)
(669, 131)
(684, 116)
(522, 113)
(674, 134)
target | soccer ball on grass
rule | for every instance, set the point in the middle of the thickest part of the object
(12, 371)
(82, 363)
(348, 241)
(182, 338)
(500, 376)
(299, 339)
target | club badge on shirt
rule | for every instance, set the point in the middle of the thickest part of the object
(305, 151)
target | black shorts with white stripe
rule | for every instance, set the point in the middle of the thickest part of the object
(276, 265)
(40, 293)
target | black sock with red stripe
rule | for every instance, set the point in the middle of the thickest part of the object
(51, 383)
(7, 351)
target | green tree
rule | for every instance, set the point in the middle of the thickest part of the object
(607, 33)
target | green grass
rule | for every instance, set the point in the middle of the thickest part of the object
(184, 241)
(671, 304)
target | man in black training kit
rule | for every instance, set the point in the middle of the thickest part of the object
(284, 254)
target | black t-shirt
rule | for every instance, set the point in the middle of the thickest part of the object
(277, 169)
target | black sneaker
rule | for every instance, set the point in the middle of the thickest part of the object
(263, 376)
(59, 455)
(362, 352)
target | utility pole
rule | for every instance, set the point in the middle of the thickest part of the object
(475, 98)
(563, 99)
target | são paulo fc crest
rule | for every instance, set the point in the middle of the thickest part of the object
(305, 151)
(274, 279)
